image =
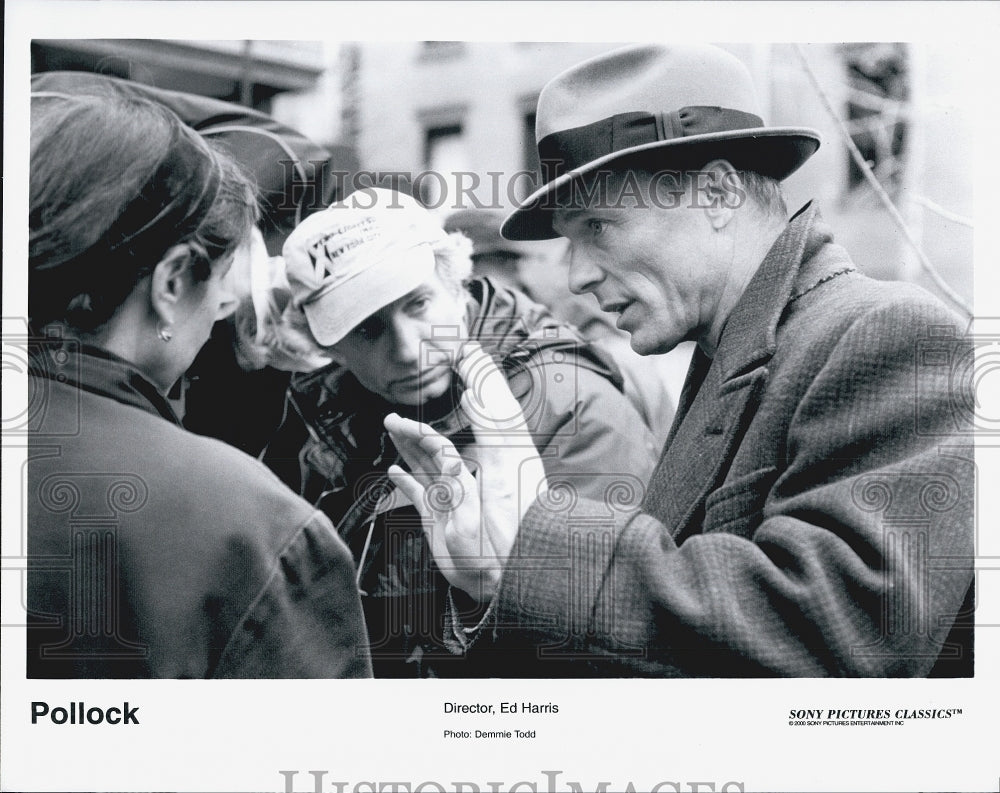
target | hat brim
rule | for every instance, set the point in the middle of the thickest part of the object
(337, 312)
(776, 152)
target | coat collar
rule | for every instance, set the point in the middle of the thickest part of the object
(749, 335)
(721, 393)
(100, 372)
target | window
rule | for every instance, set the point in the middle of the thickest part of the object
(440, 50)
(529, 157)
(530, 147)
(445, 153)
(878, 98)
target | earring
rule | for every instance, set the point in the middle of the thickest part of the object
(164, 333)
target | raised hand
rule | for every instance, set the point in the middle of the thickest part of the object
(471, 522)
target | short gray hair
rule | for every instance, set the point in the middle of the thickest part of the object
(453, 261)
(765, 192)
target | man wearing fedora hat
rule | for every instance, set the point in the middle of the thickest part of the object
(812, 511)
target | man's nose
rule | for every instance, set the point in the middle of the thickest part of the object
(584, 274)
(407, 340)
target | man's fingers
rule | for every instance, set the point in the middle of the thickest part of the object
(409, 438)
(487, 401)
(434, 528)
(410, 487)
(405, 430)
(429, 454)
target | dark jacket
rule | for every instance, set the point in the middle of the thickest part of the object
(153, 552)
(811, 514)
(334, 448)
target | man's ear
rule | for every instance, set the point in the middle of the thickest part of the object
(719, 192)
(170, 281)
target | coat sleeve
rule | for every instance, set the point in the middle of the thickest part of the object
(856, 564)
(593, 442)
(306, 622)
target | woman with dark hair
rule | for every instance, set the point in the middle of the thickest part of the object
(154, 552)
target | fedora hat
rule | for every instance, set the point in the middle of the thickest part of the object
(673, 105)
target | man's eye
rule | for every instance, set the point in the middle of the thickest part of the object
(596, 226)
(419, 303)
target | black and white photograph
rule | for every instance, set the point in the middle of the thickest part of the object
(499, 397)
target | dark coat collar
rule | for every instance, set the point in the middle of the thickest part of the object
(721, 394)
(100, 372)
(750, 332)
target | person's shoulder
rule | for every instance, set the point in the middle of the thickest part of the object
(854, 321)
(244, 483)
(844, 298)
(828, 287)
(531, 340)
(211, 491)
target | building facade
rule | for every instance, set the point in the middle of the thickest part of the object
(435, 109)
(453, 121)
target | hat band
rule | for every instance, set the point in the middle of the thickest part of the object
(573, 148)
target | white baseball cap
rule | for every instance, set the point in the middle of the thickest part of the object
(357, 256)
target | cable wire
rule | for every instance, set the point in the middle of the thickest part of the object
(866, 170)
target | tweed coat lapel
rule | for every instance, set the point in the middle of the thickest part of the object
(721, 394)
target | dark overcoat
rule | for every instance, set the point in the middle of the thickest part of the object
(154, 552)
(811, 513)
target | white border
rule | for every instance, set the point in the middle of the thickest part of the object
(225, 736)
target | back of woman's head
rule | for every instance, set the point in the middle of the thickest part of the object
(115, 183)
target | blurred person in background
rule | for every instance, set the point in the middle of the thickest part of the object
(383, 291)
(493, 257)
(154, 552)
(539, 269)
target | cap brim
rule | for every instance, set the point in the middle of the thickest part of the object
(336, 313)
(776, 152)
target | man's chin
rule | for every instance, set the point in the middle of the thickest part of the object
(644, 345)
(641, 345)
(420, 391)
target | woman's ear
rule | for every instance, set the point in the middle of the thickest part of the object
(170, 281)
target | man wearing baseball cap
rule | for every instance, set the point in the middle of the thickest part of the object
(812, 510)
(385, 293)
